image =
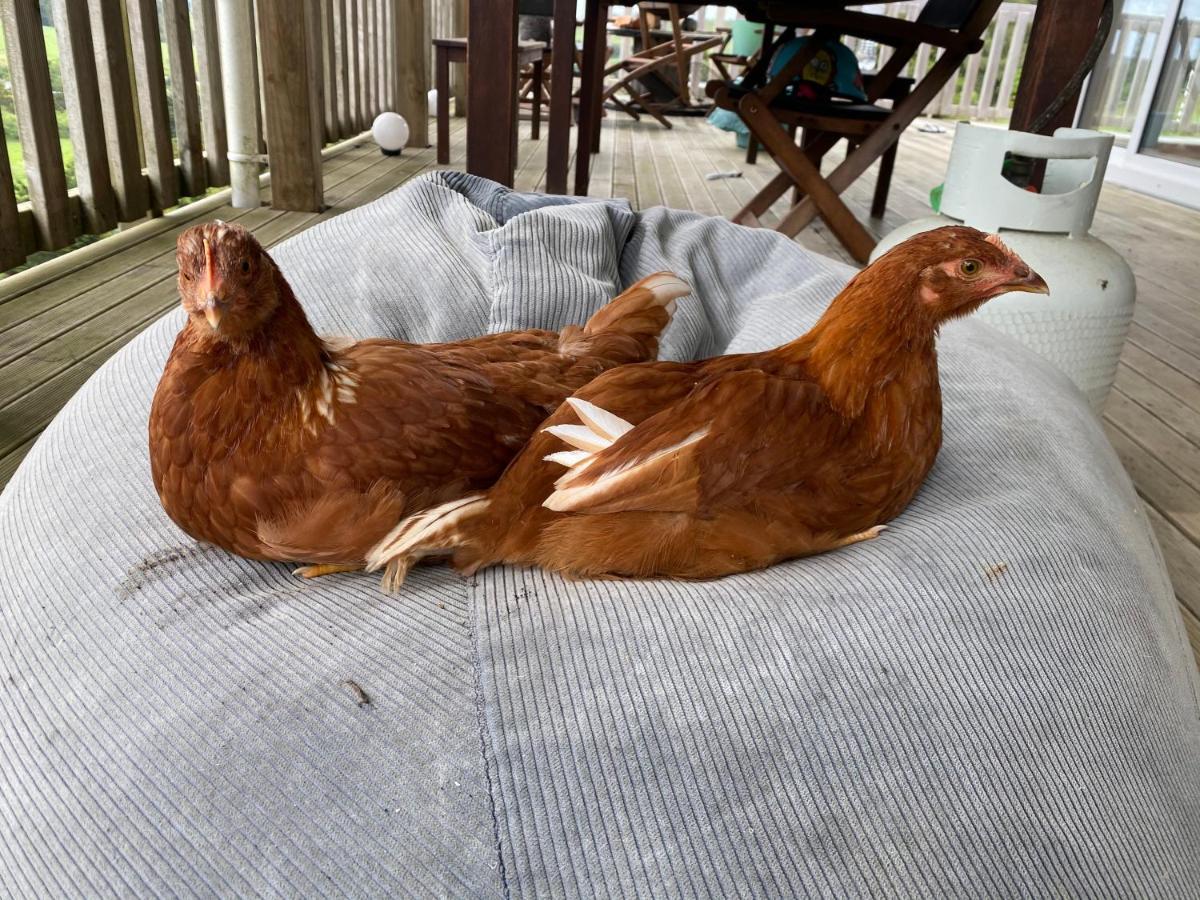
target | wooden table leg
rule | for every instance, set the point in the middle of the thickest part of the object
(562, 81)
(595, 35)
(601, 60)
(492, 93)
(443, 106)
(535, 128)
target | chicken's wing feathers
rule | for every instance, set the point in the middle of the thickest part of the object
(709, 443)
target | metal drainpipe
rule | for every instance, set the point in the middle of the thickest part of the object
(234, 23)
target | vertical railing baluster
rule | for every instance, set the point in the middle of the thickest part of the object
(36, 122)
(118, 110)
(341, 48)
(212, 97)
(178, 29)
(152, 100)
(329, 71)
(12, 249)
(81, 91)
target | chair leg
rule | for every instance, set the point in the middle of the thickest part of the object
(884, 181)
(751, 151)
(443, 107)
(536, 127)
(763, 200)
(795, 163)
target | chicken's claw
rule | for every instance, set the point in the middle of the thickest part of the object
(323, 569)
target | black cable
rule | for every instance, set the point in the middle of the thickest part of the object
(1103, 27)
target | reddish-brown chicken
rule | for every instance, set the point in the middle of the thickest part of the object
(696, 470)
(275, 444)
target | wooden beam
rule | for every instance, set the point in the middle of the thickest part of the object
(36, 122)
(1060, 37)
(81, 91)
(12, 253)
(152, 100)
(412, 70)
(341, 49)
(293, 115)
(117, 110)
(212, 96)
(178, 28)
(492, 89)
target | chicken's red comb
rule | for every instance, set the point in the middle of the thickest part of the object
(994, 240)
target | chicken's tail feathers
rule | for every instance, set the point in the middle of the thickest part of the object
(644, 308)
(434, 532)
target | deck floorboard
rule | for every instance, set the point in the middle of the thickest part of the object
(54, 335)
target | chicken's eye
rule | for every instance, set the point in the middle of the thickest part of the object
(245, 265)
(970, 268)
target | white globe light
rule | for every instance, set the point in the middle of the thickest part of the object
(390, 132)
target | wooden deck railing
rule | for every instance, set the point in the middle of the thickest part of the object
(143, 102)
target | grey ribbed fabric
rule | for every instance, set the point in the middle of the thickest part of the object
(995, 698)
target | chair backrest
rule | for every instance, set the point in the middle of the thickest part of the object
(947, 13)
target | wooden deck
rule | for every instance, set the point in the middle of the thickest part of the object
(55, 334)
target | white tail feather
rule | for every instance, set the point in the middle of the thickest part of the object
(580, 436)
(433, 528)
(599, 420)
(566, 498)
(567, 458)
(598, 431)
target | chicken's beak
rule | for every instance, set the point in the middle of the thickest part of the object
(212, 312)
(1028, 281)
(210, 284)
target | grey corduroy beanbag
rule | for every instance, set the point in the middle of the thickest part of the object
(995, 698)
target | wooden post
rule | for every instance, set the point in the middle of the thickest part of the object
(12, 253)
(294, 111)
(152, 99)
(212, 97)
(36, 122)
(178, 28)
(81, 91)
(492, 89)
(1059, 39)
(118, 110)
(412, 70)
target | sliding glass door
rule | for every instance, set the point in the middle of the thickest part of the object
(1145, 89)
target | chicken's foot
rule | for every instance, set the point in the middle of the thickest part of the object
(867, 535)
(324, 569)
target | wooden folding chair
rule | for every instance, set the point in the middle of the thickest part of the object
(768, 109)
(663, 65)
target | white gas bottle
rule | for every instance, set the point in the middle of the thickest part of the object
(1082, 324)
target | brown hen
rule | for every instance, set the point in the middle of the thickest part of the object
(696, 470)
(275, 444)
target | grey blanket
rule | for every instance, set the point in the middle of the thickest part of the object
(995, 698)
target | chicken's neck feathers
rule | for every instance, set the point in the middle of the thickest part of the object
(867, 339)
